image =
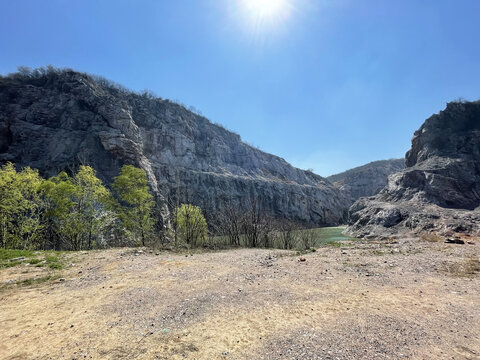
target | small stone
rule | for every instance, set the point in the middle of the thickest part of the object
(455, 241)
(302, 259)
(17, 259)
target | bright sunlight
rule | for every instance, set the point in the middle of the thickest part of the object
(267, 9)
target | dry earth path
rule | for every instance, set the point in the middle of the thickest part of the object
(409, 299)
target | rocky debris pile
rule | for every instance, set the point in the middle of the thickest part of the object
(439, 190)
(54, 120)
(368, 179)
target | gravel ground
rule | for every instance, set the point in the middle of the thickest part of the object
(404, 299)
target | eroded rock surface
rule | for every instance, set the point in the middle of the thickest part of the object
(55, 120)
(439, 190)
(368, 179)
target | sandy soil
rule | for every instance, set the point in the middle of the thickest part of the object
(410, 299)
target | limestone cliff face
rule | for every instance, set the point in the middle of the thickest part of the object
(368, 179)
(55, 120)
(439, 189)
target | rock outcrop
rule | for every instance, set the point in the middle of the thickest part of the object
(54, 120)
(368, 179)
(439, 190)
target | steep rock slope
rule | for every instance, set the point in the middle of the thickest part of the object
(439, 190)
(368, 179)
(53, 120)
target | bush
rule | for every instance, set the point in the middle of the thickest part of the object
(191, 225)
(307, 238)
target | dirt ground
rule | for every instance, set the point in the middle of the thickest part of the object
(409, 299)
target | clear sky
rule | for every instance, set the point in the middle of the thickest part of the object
(325, 84)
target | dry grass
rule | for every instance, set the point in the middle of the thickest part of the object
(431, 237)
(467, 267)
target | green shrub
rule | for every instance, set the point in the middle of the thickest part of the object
(191, 225)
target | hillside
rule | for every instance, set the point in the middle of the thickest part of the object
(54, 120)
(439, 190)
(368, 179)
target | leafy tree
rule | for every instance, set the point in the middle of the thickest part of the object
(76, 208)
(91, 200)
(136, 203)
(191, 224)
(59, 199)
(20, 207)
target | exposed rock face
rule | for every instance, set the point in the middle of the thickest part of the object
(366, 180)
(439, 190)
(57, 119)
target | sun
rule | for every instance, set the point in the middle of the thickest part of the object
(263, 9)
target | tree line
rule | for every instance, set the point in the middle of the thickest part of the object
(78, 212)
(250, 226)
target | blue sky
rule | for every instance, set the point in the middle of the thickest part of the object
(325, 84)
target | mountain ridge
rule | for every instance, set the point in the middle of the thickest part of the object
(367, 179)
(51, 119)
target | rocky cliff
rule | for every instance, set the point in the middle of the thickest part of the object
(54, 120)
(439, 190)
(368, 179)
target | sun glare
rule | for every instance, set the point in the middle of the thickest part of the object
(264, 9)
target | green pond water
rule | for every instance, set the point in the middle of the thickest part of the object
(330, 234)
(322, 236)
